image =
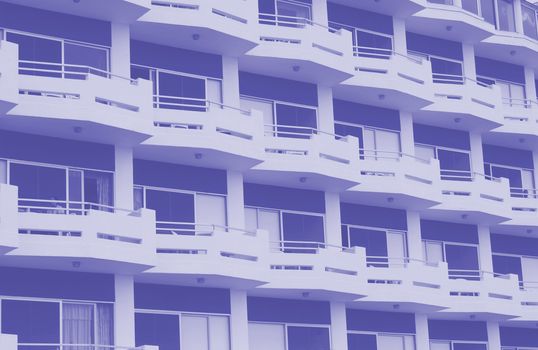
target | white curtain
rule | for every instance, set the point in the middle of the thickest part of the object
(105, 325)
(77, 323)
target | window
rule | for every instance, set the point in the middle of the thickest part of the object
(529, 21)
(513, 94)
(375, 143)
(371, 44)
(440, 345)
(176, 91)
(462, 261)
(210, 209)
(275, 336)
(264, 219)
(85, 323)
(506, 15)
(433, 252)
(425, 152)
(470, 5)
(521, 180)
(174, 211)
(267, 109)
(98, 189)
(295, 121)
(308, 338)
(3, 171)
(487, 10)
(455, 165)
(396, 342)
(157, 329)
(446, 71)
(292, 14)
(204, 332)
(266, 336)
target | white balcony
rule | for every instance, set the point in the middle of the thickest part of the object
(8, 218)
(9, 56)
(81, 102)
(488, 295)
(315, 270)
(85, 236)
(396, 179)
(220, 27)
(474, 199)
(299, 49)
(528, 298)
(395, 8)
(509, 46)
(452, 20)
(520, 124)
(211, 255)
(463, 103)
(122, 11)
(307, 158)
(388, 79)
(524, 212)
(221, 137)
(411, 284)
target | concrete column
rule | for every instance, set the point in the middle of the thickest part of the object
(484, 250)
(518, 15)
(332, 219)
(124, 314)
(414, 237)
(469, 64)
(530, 85)
(120, 54)
(400, 39)
(494, 337)
(235, 204)
(407, 136)
(230, 81)
(477, 155)
(123, 177)
(325, 109)
(319, 12)
(238, 320)
(422, 336)
(535, 163)
(338, 326)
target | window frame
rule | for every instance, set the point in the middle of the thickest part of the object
(296, 324)
(388, 334)
(459, 244)
(454, 150)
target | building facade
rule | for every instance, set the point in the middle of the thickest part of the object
(268, 175)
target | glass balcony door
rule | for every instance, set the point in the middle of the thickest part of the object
(374, 143)
(462, 259)
(279, 336)
(455, 164)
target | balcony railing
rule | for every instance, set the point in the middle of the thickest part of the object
(305, 247)
(465, 175)
(298, 132)
(65, 207)
(395, 262)
(66, 71)
(191, 104)
(195, 229)
(531, 286)
(369, 154)
(475, 275)
(520, 192)
(291, 21)
(63, 346)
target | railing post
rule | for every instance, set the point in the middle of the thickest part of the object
(399, 39)
(407, 137)
(319, 12)
(230, 81)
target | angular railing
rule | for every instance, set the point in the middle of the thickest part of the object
(195, 229)
(65, 207)
(299, 132)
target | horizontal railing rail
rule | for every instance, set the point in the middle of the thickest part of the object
(388, 261)
(521, 192)
(529, 285)
(305, 247)
(465, 175)
(378, 52)
(56, 206)
(291, 21)
(293, 131)
(191, 103)
(474, 275)
(67, 71)
(195, 229)
(389, 155)
(67, 346)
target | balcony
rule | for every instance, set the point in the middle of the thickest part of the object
(212, 135)
(403, 180)
(190, 252)
(395, 8)
(299, 49)
(407, 282)
(487, 293)
(520, 122)
(122, 11)
(219, 27)
(472, 198)
(308, 157)
(9, 55)
(472, 105)
(318, 269)
(59, 234)
(523, 203)
(81, 102)
(388, 79)
(528, 297)
(8, 218)
(457, 20)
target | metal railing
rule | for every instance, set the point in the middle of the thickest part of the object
(465, 175)
(300, 132)
(65, 207)
(305, 247)
(195, 229)
(191, 104)
(291, 21)
(398, 262)
(474, 275)
(377, 52)
(66, 346)
(520, 192)
(373, 154)
(529, 285)
(66, 71)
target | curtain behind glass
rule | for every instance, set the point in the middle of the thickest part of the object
(78, 326)
(105, 326)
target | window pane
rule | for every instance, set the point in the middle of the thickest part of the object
(33, 322)
(506, 15)
(517, 92)
(210, 209)
(361, 342)
(37, 50)
(304, 120)
(302, 228)
(389, 143)
(433, 252)
(214, 91)
(393, 342)
(171, 207)
(454, 165)
(373, 45)
(138, 198)
(439, 346)
(181, 92)
(194, 333)
(424, 152)
(529, 22)
(375, 242)
(459, 346)
(263, 336)
(83, 55)
(396, 247)
(78, 324)
(251, 219)
(219, 333)
(105, 324)
(270, 220)
(140, 72)
(513, 176)
(470, 5)
(291, 14)
(98, 188)
(487, 8)
(263, 106)
(462, 259)
(308, 338)
(159, 330)
(39, 182)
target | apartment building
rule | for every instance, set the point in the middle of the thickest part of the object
(268, 175)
